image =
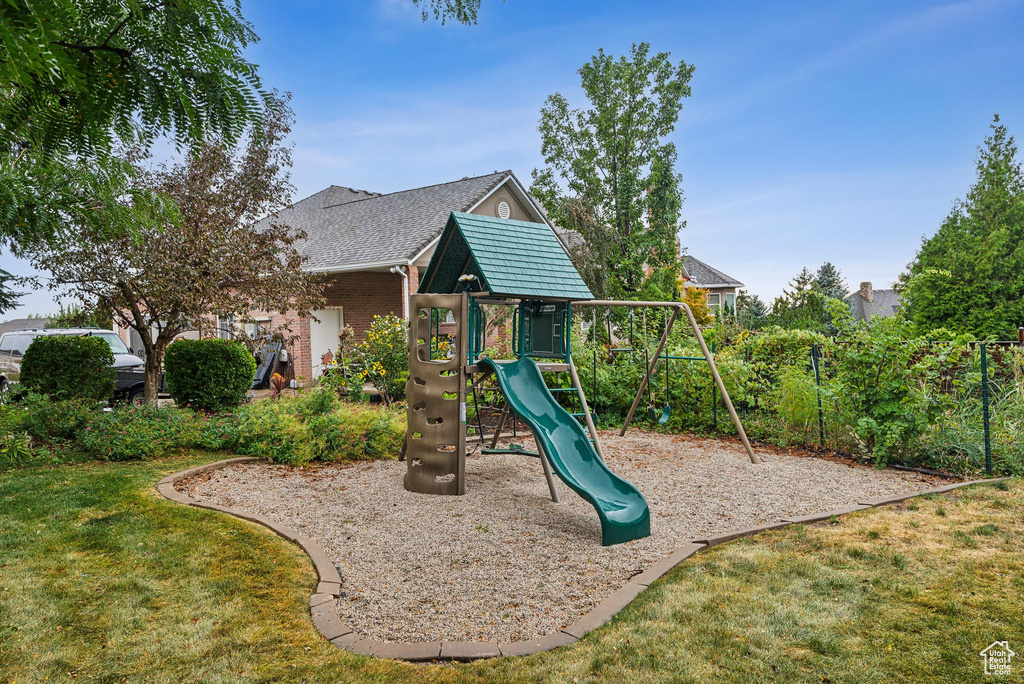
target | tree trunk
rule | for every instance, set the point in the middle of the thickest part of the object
(153, 361)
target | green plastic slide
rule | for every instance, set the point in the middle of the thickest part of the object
(621, 507)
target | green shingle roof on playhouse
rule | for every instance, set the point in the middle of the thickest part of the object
(511, 259)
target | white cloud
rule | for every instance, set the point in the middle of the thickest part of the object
(418, 143)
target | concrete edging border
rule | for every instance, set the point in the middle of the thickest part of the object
(330, 625)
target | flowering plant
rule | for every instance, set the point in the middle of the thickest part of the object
(384, 357)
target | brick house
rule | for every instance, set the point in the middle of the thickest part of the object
(372, 248)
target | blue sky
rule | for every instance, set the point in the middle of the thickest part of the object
(815, 131)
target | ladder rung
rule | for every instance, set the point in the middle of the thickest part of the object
(562, 389)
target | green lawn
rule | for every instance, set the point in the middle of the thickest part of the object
(102, 579)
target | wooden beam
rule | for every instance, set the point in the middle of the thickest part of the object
(586, 408)
(501, 426)
(707, 355)
(721, 386)
(650, 371)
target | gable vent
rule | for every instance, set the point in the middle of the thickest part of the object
(503, 210)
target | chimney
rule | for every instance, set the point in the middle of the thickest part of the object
(866, 292)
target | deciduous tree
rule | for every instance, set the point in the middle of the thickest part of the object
(611, 172)
(80, 76)
(168, 277)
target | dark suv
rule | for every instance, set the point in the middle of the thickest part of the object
(130, 368)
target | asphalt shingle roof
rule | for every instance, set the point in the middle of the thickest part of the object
(883, 303)
(703, 275)
(346, 227)
(513, 258)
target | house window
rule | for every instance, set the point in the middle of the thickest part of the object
(225, 327)
(257, 328)
(730, 304)
(714, 302)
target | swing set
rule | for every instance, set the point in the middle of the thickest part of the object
(657, 414)
(482, 261)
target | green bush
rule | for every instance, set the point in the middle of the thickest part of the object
(69, 367)
(355, 431)
(208, 375)
(317, 403)
(133, 433)
(316, 426)
(14, 441)
(268, 429)
(51, 420)
(215, 432)
(797, 399)
(384, 357)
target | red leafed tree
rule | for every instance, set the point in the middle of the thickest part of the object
(205, 257)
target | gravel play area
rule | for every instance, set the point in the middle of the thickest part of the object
(504, 562)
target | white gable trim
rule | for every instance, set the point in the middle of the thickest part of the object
(366, 266)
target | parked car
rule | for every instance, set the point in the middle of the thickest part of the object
(130, 368)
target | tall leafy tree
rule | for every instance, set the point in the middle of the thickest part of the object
(80, 76)
(610, 171)
(214, 257)
(969, 276)
(462, 11)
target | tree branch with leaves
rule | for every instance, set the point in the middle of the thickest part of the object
(610, 172)
(215, 258)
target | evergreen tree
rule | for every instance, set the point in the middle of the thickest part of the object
(829, 281)
(751, 311)
(801, 305)
(969, 276)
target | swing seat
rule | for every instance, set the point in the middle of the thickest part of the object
(660, 417)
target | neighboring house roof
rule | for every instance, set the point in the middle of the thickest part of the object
(347, 228)
(883, 303)
(511, 258)
(702, 275)
(23, 324)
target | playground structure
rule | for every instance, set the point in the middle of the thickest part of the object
(481, 261)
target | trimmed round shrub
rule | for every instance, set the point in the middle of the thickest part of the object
(69, 367)
(208, 375)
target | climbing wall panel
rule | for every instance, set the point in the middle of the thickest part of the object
(436, 395)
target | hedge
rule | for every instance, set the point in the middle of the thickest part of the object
(69, 367)
(208, 375)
